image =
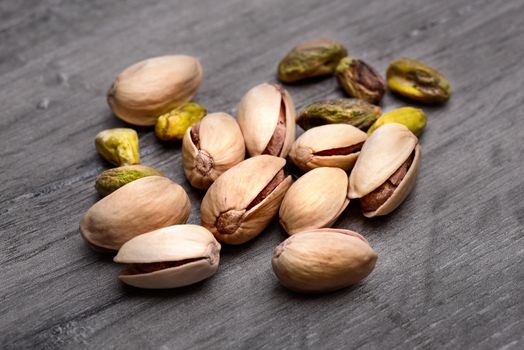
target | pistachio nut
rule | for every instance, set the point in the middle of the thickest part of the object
(112, 179)
(386, 169)
(418, 81)
(244, 199)
(413, 118)
(172, 125)
(140, 206)
(330, 145)
(210, 148)
(170, 257)
(352, 111)
(313, 58)
(118, 146)
(266, 116)
(152, 87)
(315, 200)
(359, 80)
(323, 260)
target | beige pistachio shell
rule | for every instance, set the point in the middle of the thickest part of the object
(140, 206)
(185, 254)
(154, 86)
(220, 147)
(323, 260)
(403, 189)
(258, 116)
(315, 200)
(225, 209)
(310, 149)
(382, 154)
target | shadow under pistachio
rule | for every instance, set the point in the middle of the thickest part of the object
(131, 291)
(289, 294)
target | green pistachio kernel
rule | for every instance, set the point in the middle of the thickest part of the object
(413, 118)
(112, 179)
(118, 146)
(172, 126)
(358, 113)
(310, 59)
(359, 80)
(417, 81)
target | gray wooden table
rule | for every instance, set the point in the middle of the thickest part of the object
(450, 272)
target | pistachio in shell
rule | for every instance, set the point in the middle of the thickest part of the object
(315, 200)
(359, 80)
(266, 116)
(210, 148)
(313, 58)
(244, 199)
(152, 87)
(386, 169)
(112, 179)
(417, 81)
(352, 111)
(413, 118)
(118, 146)
(172, 125)
(323, 260)
(330, 145)
(141, 206)
(170, 257)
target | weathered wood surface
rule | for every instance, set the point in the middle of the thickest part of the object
(450, 272)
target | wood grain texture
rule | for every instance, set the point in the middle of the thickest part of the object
(449, 274)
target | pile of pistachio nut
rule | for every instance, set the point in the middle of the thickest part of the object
(349, 151)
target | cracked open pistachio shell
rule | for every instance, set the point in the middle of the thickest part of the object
(172, 125)
(413, 118)
(266, 116)
(313, 58)
(359, 80)
(244, 199)
(118, 146)
(210, 148)
(323, 260)
(352, 111)
(152, 87)
(418, 81)
(112, 179)
(140, 206)
(169, 257)
(385, 170)
(331, 145)
(315, 200)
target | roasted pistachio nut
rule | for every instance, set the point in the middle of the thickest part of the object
(140, 206)
(152, 87)
(310, 59)
(172, 125)
(418, 81)
(170, 257)
(352, 111)
(359, 80)
(385, 170)
(315, 200)
(112, 179)
(244, 199)
(323, 260)
(331, 145)
(210, 148)
(413, 118)
(118, 146)
(266, 116)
